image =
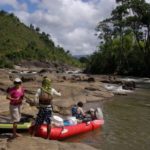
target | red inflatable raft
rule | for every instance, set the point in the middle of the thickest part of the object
(58, 133)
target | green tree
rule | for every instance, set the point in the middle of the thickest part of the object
(124, 40)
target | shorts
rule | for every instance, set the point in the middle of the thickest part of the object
(15, 113)
(44, 115)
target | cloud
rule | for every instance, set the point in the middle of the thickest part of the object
(12, 3)
(71, 23)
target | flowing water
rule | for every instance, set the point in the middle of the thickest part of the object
(127, 123)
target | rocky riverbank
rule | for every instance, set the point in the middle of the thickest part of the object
(33, 143)
(74, 87)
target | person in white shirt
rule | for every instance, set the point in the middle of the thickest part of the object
(43, 98)
(80, 113)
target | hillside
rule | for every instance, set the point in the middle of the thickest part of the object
(20, 42)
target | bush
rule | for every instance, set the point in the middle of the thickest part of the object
(5, 63)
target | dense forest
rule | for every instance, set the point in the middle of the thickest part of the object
(124, 41)
(19, 42)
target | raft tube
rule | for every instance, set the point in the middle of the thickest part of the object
(59, 133)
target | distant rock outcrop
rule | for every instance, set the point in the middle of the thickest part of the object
(128, 85)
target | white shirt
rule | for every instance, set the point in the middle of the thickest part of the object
(80, 111)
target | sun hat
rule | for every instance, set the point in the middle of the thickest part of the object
(17, 80)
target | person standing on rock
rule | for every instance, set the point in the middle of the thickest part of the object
(44, 97)
(15, 94)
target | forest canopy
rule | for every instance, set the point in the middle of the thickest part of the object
(124, 41)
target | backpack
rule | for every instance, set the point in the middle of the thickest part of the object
(74, 110)
(45, 98)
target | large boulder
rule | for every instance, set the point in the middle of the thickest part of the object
(28, 77)
(34, 143)
(128, 85)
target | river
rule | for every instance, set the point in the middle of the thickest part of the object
(127, 123)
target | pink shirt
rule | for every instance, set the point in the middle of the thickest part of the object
(17, 94)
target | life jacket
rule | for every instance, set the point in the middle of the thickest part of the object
(75, 113)
(45, 98)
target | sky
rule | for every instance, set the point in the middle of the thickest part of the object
(70, 23)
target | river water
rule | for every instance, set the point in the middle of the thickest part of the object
(127, 123)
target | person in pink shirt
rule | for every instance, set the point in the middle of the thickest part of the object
(15, 95)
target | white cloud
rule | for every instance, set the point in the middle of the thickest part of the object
(70, 23)
(13, 3)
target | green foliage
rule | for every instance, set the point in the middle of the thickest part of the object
(18, 42)
(84, 60)
(5, 63)
(124, 40)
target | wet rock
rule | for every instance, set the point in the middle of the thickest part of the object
(43, 71)
(120, 93)
(28, 77)
(112, 81)
(2, 89)
(14, 71)
(128, 85)
(90, 79)
(64, 78)
(12, 76)
(60, 70)
(76, 77)
(91, 88)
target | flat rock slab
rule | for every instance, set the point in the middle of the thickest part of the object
(35, 143)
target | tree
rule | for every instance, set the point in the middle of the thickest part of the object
(31, 27)
(124, 34)
(37, 29)
(2, 12)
